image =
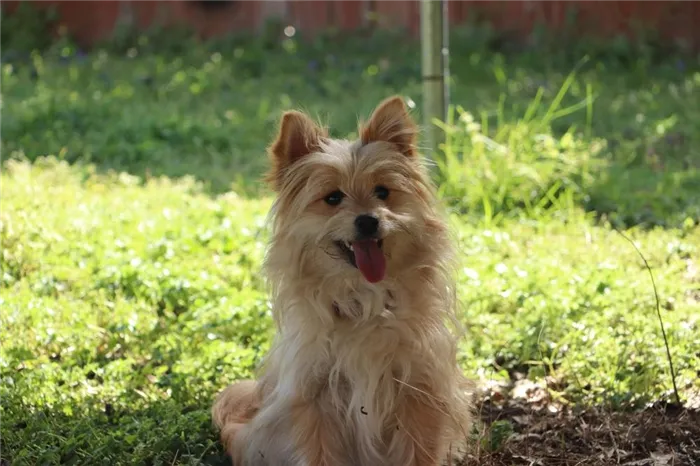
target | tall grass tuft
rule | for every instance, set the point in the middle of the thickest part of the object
(519, 167)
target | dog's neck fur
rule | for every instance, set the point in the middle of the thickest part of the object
(353, 309)
(384, 342)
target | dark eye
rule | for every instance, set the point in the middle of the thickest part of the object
(381, 192)
(334, 198)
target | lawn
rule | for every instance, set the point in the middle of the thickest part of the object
(133, 228)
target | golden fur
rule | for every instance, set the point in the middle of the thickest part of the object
(360, 373)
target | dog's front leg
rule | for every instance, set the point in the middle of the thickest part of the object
(234, 407)
(319, 436)
(419, 437)
(298, 433)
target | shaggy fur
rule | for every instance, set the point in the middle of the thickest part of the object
(360, 372)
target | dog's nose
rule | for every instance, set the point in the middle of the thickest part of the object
(367, 225)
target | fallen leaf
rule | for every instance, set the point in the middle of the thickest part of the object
(661, 459)
(523, 420)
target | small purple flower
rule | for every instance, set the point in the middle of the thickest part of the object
(680, 65)
(312, 65)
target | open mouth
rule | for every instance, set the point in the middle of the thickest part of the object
(348, 249)
(367, 256)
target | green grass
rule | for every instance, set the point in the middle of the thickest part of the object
(130, 295)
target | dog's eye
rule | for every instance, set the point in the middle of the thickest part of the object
(334, 198)
(381, 192)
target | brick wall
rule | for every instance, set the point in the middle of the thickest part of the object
(95, 20)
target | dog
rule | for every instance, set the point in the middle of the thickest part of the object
(363, 368)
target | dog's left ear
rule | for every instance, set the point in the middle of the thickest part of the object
(391, 122)
(298, 136)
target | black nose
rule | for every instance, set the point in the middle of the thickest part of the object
(366, 225)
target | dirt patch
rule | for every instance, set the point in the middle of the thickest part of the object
(515, 433)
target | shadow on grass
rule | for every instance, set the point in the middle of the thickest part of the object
(157, 432)
(637, 196)
(508, 431)
(650, 170)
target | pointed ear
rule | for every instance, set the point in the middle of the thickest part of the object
(298, 136)
(390, 122)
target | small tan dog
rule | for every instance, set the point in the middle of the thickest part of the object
(363, 369)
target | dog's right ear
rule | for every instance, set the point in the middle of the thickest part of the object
(298, 136)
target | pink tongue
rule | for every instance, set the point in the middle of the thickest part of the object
(370, 260)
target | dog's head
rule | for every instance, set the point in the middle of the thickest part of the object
(352, 208)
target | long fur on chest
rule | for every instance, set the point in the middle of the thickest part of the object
(359, 357)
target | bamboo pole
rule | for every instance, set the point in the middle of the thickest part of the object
(434, 54)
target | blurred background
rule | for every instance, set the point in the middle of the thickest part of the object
(89, 22)
(133, 222)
